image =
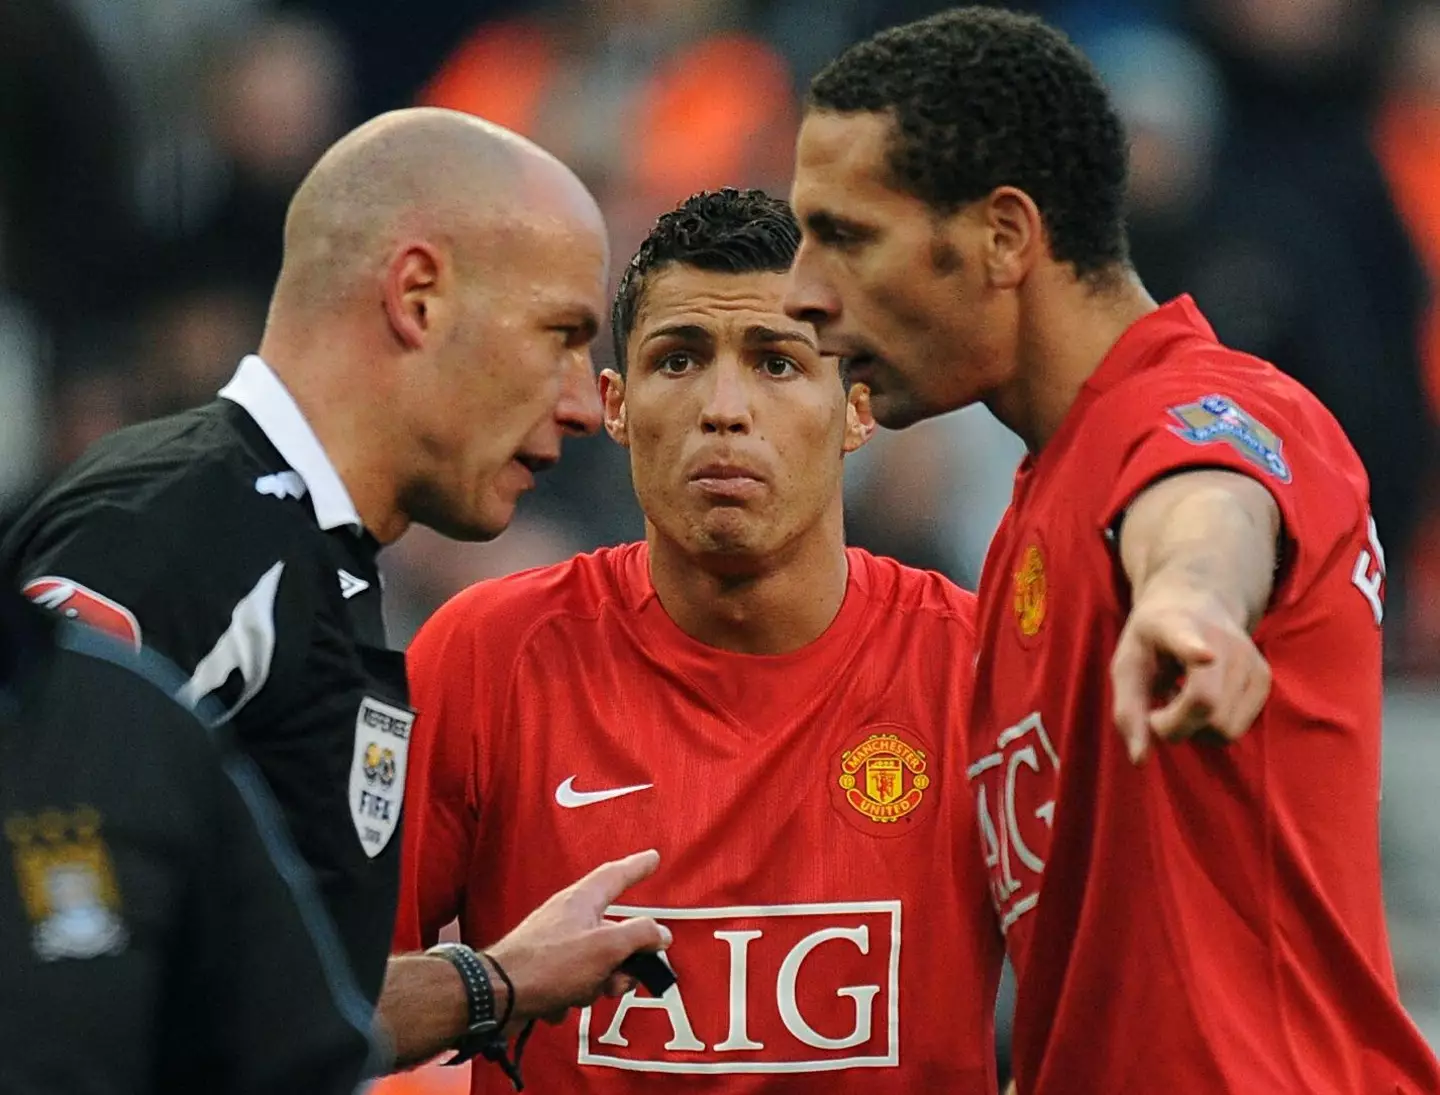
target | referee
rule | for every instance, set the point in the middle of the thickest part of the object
(426, 352)
(154, 941)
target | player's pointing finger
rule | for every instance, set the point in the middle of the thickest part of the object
(1131, 675)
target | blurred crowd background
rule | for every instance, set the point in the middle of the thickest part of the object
(1286, 171)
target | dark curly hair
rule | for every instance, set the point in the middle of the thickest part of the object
(727, 231)
(982, 98)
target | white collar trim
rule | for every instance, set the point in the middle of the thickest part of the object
(256, 388)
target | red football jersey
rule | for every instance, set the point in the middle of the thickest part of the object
(833, 930)
(1210, 921)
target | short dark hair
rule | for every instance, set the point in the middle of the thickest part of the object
(982, 98)
(727, 231)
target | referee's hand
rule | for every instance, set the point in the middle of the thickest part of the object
(565, 953)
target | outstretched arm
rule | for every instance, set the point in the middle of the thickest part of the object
(1200, 551)
(564, 954)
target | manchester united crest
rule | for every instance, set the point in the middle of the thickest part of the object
(884, 778)
(1030, 591)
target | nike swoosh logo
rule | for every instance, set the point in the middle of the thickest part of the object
(568, 797)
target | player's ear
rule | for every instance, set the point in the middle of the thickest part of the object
(411, 292)
(859, 421)
(612, 394)
(1014, 236)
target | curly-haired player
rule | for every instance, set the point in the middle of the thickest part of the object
(774, 712)
(1189, 554)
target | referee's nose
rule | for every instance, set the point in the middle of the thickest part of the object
(580, 412)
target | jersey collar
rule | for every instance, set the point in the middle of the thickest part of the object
(1142, 344)
(1147, 339)
(256, 388)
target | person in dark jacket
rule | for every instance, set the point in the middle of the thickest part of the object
(160, 933)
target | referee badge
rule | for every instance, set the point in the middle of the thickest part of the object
(377, 772)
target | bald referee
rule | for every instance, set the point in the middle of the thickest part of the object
(427, 351)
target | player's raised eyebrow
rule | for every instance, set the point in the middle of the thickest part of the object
(761, 335)
(684, 332)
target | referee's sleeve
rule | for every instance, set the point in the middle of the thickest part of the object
(98, 568)
(168, 582)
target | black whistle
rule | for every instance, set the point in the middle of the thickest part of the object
(650, 971)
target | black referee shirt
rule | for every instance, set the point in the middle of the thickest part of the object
(224, 539)
(152, 919)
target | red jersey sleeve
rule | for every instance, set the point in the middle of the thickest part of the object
(442, 798)
(1251, 421)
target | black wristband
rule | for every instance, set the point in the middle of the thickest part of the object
(479, 993)
(485, 1034)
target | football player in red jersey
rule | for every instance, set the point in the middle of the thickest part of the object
(774, 712)
(1189, 553)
